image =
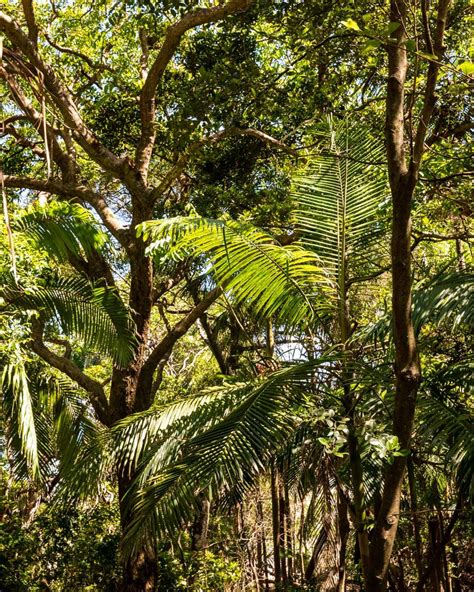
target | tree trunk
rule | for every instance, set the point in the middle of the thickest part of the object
(276, 526)
(403, 179)
(262, 546)
(433, 529)
(201, 525)
(140, 571)
(344, 529)
(282, 531)
(415, 520)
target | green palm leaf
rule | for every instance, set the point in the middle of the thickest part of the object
(225, 457)
(18, 404)
(448, 298)
(61, 228)
(339, 198)
(96, 315)
(273, 280)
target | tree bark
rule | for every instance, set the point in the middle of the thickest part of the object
(201, 525)
(140, 572)
(282, 531)
(403, 180)
(276, 526)
(344, 529)
(415, 520)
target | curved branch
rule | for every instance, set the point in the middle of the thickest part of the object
(69, 191)
(77, 54)
(162, 350)
(62, 363)
(172, 39)
(62, 98)
(30, 21)
(43, 128)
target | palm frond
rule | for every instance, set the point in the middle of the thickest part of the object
(286, 282)
(17, 401)
(448, 299)
(228, 456)
(96, 315)
(338, 199)
(447, 423)
(61, 228)
(73, 424)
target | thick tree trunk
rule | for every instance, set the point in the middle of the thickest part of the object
(140, 573)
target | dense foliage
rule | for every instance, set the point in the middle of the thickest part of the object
(236, 296)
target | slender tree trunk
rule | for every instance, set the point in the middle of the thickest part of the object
(301, 539)
(282, 531)
(260, 559)
(436, 554)
(276, 526)
(415, 521)
(447, 579)
(433, 529)
(311, 567)
(288, 533)
(344, 529)
(263, 560)
(403, 180)
(200, 527)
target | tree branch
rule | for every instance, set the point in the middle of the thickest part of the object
(163, 348)
(172, 39)
(448, 177)
(43, 128)
(62, 98)
(30, 21)
(64, 364)
(77, 54)
(458, 132)
(433, 236)
(398, 67)
(429, 97)
(69, 190)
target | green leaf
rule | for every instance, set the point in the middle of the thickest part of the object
(351, 24)
(392, 27)
(61, 228)
(15, 388)
(95, 314)
(338, 199)
(247, 262)
(467, 68)
(371, 44)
